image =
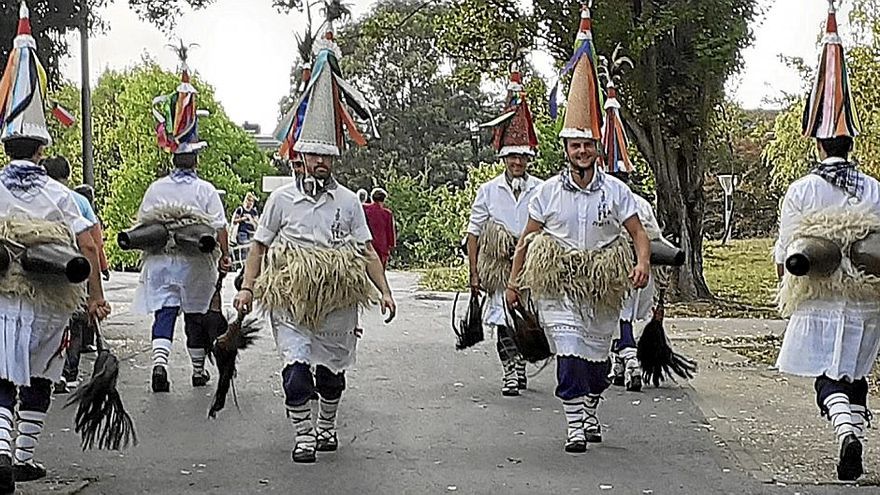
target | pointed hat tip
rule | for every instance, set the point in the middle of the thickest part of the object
(24, 23)
(831, 25)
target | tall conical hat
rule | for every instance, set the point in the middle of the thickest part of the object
(583, 113)
(514, 129)
(830, 111)
(177, 114)
(317, 124)
(614, 142)
(614, 136)
(23, 88)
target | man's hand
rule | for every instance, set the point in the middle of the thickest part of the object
(639, 275)
(244, 301)
(98, 309)
(475, 282)
(225, 264)
(512, 297)
(388, 306)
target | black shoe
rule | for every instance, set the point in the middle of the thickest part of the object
(850, 466)
(201, 379)
(594, 435)
(576, 446)
(160, 379)
(29, 471)
(60, 387)
(635, 384)
(327, 441)
(304, 456)
(7, 475)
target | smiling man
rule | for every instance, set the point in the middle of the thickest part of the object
(574, 259)
(498, 217)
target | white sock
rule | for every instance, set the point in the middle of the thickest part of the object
(840, 414)
(6, 426)
(197, 355)
(30, 425)
(859, 420)
(574, 416)
(591, 420)
(161, 351)
(301, 417)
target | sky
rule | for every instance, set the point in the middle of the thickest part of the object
(247, 49)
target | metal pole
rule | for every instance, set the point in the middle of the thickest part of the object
(726, 235)
(88, 155)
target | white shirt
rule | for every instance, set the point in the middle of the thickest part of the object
(198, 194)
(646, 215)
(811, 194)
(336, 218)
(54, 203)
(583, 220)
(496, 201)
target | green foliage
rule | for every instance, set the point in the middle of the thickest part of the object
(127, 158)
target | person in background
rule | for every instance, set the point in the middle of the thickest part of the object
(381, 222)
(247, 217)
(363, 197)
(88, 192)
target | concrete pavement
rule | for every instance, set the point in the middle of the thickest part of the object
(418, 417)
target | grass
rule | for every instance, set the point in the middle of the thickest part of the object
(741, 275)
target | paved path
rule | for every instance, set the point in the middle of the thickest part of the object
(418, 418)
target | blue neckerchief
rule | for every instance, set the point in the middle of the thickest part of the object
(184, 175)
(843, 174)
(24, 179)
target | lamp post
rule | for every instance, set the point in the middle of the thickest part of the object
(475, 141)
(728, 185)
(88, 153)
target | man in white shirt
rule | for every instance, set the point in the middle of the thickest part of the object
(34, 210)
(314, 231)
(573, 258)
(174, 280)
(498, 217)
(833, 334)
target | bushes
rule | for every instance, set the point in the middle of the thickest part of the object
(127, 159)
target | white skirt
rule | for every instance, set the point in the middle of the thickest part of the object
(577, 331)
(839, 339)
(493, 311)
(30, 340)
(639, 303)
(174, 280)
(333, 347)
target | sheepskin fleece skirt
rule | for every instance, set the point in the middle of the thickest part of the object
(30, 340)
(334, 345)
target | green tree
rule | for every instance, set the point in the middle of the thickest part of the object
(127, 158)
(683, 53)
(52, 20)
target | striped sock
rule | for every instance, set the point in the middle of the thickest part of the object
(840, 414)
(161, 351)
(197, 355)
(574, 416)
(860, 420)
(6, 427)
(30, 425)
(327, 410)
(591, 420)
(301, 417)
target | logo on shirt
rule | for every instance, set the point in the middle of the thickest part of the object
(603, 212)
(336, 232)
